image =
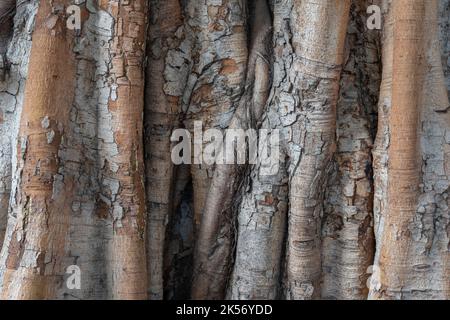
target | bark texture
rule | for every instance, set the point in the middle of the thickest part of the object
(413, 231)
(358, 121)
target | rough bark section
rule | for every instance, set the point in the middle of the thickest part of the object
(444, 37)
(167, 70)
(431, 228)
(88, 142)
(311, 49)
(122, 168)
(40, 212)
(12, 83)
(216, 82)
(224, 197)
(216, 85)
(382, 141)
(348, 240)
(261, 230)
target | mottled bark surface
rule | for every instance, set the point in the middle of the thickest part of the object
(217, 84)
(40, 210)
(348, 239)
(162, 110)
(87, 179)
(77, 187)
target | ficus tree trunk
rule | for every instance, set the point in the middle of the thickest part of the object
(78, 182)
(413, 241)
(355, 206)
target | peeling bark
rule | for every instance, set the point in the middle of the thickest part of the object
(317, 57)
(87, 179)
(78, 193)
(163, 107)
(217, 83)
(347, 229)
(126, 168)
(12, 80)
(217, 229)
(7, 10)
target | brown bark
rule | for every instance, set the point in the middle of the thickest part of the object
(33, 265)
(86, 171)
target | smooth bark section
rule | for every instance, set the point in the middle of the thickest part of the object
(41, 202)
(413, 242)
(404, 161)
(218, 77)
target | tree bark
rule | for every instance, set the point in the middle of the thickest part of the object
(413, 241)
(217, 85)
(318, 58)
(347, 229)
(356, 205)
(163, 107)
(40, 213)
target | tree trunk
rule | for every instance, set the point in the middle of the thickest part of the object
(413, 242)
(161, 118)
(347, 231)
(317, 65)
(218, 82)
(354, 206)
(39, 220)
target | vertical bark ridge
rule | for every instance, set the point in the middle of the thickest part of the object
(167, 70)
(217, 83)
(261, 230)
(348, 240)
(40, 210)
(261, 222)
(318, 35)
(402, 186)
(122, 173)
(222, 200)
(382, 141)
